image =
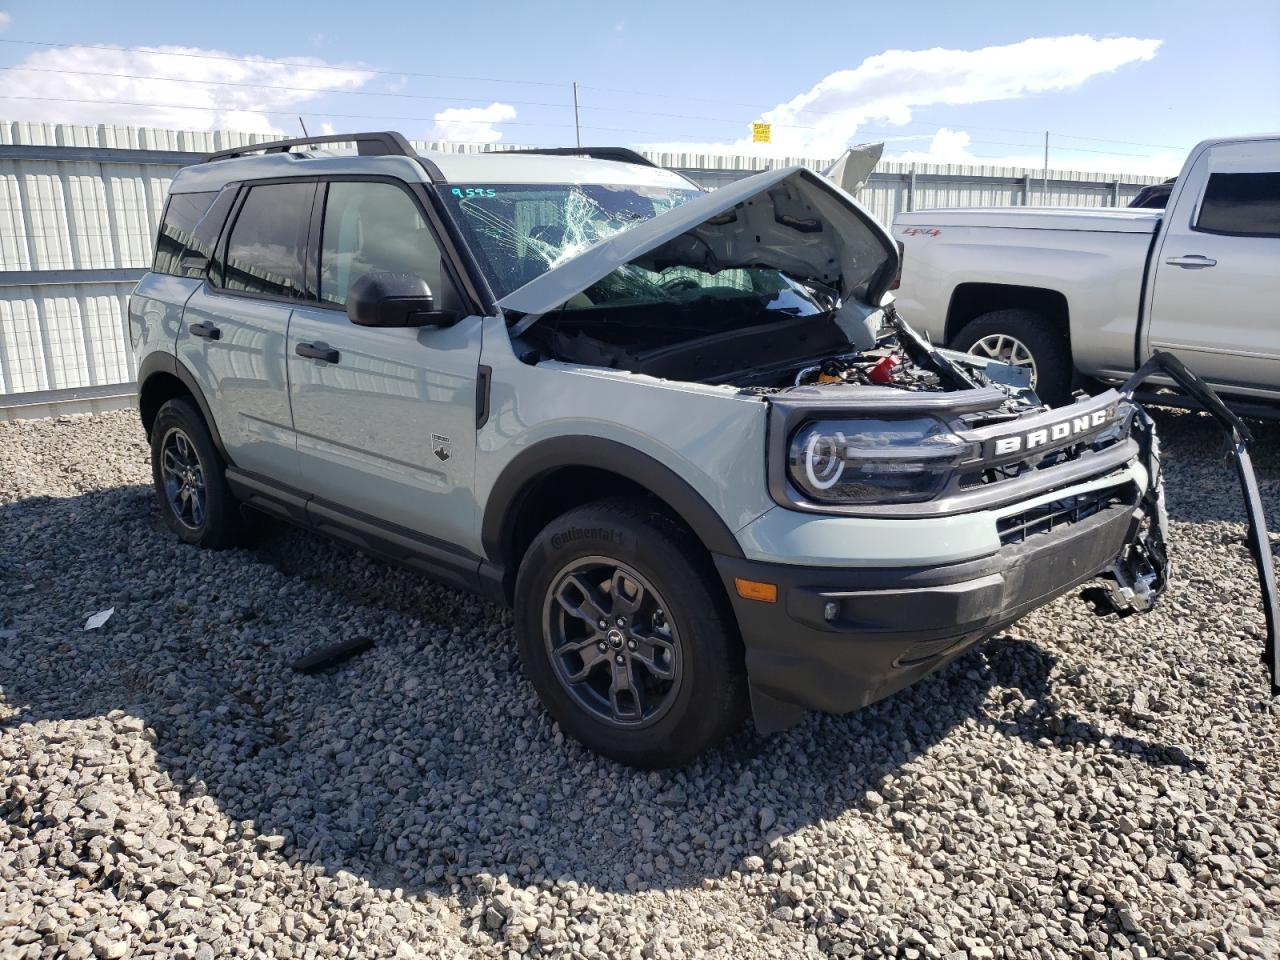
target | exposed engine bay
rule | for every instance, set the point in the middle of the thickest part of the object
(809, 354)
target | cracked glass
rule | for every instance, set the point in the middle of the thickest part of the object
(519, 232)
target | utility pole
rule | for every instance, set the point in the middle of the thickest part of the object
(577, 128)
(1045, 192)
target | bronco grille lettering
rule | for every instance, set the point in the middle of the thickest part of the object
(1042, 436)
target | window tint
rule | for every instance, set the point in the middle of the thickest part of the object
(1241, 203)
(178, 223)
(264, 252)
(195, 258)
(373, 226)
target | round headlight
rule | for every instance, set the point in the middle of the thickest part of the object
(874, 460)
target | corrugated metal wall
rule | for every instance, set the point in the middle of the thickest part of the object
(79, 207)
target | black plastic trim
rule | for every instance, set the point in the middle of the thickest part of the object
(438, 559)
(484, 379)
(166, 363)
(619, 154)
(386, 143)
(277, 499)
(892, 626)
(508, 494)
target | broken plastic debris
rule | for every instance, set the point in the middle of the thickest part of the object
(99, 618)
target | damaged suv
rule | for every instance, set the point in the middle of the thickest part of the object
(684, 434)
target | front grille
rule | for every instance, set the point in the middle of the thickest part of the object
(1017, 527)
(1038, 461)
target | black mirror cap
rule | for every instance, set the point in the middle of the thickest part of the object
(383, 298)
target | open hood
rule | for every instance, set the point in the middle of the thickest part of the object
(790, 219)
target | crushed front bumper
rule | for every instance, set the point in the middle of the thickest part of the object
(837, 639)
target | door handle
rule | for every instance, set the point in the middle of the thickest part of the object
(1192, 261)
(317, 351)
(205, 330)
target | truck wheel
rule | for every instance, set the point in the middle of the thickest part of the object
(190, 480)
(1024, 338)
(626, 634)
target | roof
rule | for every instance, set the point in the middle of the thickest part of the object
(470, 169)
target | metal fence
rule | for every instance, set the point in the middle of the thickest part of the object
(79, 207)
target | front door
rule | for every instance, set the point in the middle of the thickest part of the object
(1216, 301)
(235, 326)
(385, 417)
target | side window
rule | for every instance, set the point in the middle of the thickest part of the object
(264, 251)
(374, 226)
(1244, 204)
(177, 224)
(199, 251)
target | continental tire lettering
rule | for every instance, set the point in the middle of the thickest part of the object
(563, 537)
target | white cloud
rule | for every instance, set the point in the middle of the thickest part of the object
(887, 87)
(5, 19)
(953, 146)
(42, 95)
(472, 124)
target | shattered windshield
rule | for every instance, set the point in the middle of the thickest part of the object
(520, 231)
(634, 284)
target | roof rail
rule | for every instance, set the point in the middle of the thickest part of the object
(620, 154)
(383, 144)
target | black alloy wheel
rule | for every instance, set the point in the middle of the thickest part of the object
(608, 637)
(183, 477)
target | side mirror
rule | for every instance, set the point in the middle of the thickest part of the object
(381, 298)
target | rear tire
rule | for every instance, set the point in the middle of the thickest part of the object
(626, 634)
(190, 478)
(1026, 333)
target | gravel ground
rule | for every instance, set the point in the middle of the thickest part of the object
(1076, 788)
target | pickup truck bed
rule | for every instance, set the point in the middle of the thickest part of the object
(1092, 292)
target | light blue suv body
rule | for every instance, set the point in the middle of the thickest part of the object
(439, 358)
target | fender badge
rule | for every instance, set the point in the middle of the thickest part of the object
(441, 447)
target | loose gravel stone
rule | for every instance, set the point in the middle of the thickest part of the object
(1077, 787)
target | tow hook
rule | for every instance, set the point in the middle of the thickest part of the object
(1140, 573)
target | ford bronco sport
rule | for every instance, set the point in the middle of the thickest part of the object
(684, 434)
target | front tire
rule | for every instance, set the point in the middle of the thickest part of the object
(626, 634)
(190, 478)
(1024, 338)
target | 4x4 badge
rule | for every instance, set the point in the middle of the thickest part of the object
(441, 446)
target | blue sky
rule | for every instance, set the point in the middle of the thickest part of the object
(1120, 86)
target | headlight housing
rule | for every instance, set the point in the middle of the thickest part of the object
(864, 461)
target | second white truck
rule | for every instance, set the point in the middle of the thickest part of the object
(1085, 293)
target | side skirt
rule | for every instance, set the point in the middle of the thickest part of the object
(437, 559)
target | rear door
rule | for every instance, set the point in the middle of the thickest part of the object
(385, 418)
(235, 326)
(1216, 297)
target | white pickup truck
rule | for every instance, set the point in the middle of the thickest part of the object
(1078, 293)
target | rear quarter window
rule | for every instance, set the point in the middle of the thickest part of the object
(177, 226)
(1241, 204)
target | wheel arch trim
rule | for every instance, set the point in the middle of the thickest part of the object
(161, 363)
(520, 476)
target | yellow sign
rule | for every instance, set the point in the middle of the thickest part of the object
(761, 133)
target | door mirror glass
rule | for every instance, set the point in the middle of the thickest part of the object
(383, 298)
